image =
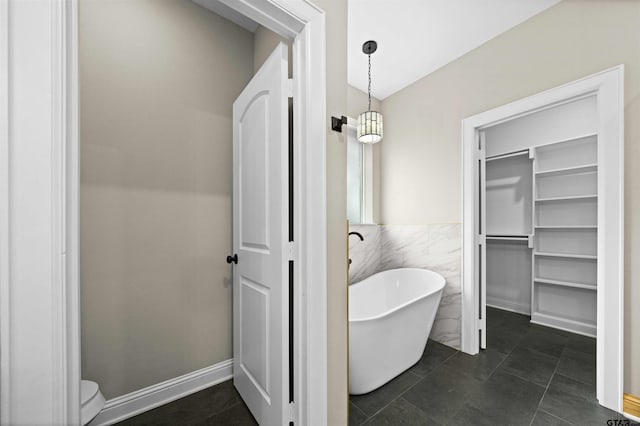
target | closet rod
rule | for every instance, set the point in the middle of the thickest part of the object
(508, 237)
(507, 155)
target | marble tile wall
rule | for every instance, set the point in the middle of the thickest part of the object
(436, 247)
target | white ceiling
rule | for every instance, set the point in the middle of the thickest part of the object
(416, 37)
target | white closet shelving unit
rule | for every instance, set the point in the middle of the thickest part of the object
(564, 285)
(540, 204)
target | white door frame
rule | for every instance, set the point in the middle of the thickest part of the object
(39, 191)
(608, 87)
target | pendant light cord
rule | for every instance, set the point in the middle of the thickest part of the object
(369, 91)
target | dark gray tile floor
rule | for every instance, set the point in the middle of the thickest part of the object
(217, 405)
(528, 375)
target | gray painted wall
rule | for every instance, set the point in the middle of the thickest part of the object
(158, 78)
(139, 329)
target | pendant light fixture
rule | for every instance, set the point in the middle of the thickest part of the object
(369, 122)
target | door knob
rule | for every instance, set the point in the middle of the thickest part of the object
(233, 259)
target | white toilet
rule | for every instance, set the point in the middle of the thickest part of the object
(91, 399)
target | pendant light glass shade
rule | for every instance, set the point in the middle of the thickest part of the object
(369, 127)
(369, 122)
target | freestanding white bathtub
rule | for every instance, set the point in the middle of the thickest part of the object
(390, 318)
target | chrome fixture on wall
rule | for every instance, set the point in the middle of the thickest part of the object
(369, 122)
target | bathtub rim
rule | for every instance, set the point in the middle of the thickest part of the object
(397, 308)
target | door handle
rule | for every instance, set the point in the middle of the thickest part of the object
(233, 258)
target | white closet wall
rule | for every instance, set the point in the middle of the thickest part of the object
(563, 122)
(541, 215)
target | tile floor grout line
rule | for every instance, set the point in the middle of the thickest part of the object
(553, 375)
(458, 351)
(410, 387)
(422, 378)
(554, 416)
(392, 400)
(518, 345)
(500, 363)
(441, 365)
(420, 409)
(577, 380)
(572, 378)
(506, 372)
(545, 392)
(358, 408)
(492, 372)
(542, 353)
(508, 353)
(538, 352)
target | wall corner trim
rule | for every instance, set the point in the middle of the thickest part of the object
(140, 401)
(631, 405)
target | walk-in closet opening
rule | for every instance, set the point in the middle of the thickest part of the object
(540, 216)
(543, 236)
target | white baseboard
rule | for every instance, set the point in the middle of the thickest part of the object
(564, 324)
(631, 417)
(509, 305)
(134, 403)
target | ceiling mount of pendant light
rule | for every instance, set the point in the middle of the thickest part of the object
(369, 128)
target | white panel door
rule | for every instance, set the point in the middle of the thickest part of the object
(260, 241)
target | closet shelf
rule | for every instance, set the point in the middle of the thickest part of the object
(566, 284)
(567, 255)
(573, 197)
(567, 227)
(507, 155)
(587, 137)
(587, 168)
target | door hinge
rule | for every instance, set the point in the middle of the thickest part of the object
(481, 145)
(481, 239)
(292, 250)
(482, 323)
(292, 412)
(290, 88)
